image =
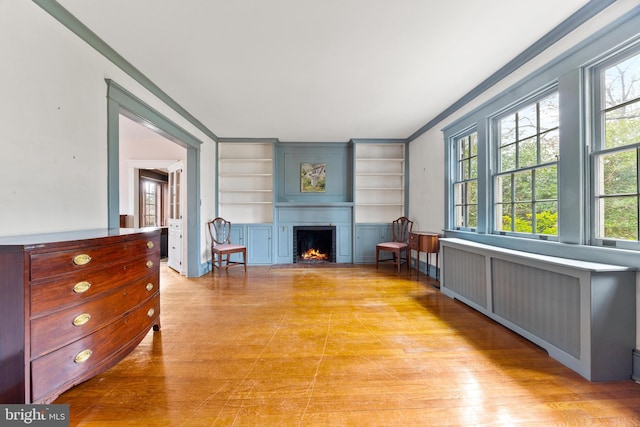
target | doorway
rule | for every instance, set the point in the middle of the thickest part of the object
(122, 102)
(146, 157)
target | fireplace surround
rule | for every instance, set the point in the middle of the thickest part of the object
(316, 243)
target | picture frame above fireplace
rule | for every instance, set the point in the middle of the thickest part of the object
(313, 177)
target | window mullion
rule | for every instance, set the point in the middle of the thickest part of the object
(637, 193)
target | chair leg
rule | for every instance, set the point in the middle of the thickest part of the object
(377, 255)
(398, 259)
(406, 260)
(244, 259)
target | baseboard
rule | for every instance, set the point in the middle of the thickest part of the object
(428, 269)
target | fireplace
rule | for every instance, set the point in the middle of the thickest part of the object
(314, 244)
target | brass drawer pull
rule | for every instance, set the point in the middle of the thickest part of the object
(149, 286)
(150, 244)
(150, 312)
(81, 259)
(149, 264)
(83, 356)
(81, 287)
(81, 319)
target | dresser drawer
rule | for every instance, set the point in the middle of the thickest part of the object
(93, 354)
(79, 287)
(414, 242)
(64, 326)
(49, 264)
(424, 242)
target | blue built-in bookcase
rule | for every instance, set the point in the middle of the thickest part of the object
(331, 207)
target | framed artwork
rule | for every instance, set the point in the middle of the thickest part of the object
(312, 177)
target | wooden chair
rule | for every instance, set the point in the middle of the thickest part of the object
(400, 230)
(221, 246)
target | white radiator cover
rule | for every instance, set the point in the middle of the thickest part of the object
(582, 313)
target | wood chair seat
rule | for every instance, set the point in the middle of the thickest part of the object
(391, 245)
(399, 246)
(229, 247)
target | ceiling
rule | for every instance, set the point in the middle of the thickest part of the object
(319, 70)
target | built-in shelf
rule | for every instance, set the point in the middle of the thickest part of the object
(379, 182)
(245, 185)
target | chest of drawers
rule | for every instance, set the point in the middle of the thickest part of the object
(72, 305)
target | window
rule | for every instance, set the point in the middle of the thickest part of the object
(617, 150)
(465, 186)
(150, 195)
(153, 199)
(526, 183)
(556, 157)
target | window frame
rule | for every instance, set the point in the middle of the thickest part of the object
(594, 85)
(532, 100)
(161, 208)
(457, 179)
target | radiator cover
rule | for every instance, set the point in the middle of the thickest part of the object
(581, 313)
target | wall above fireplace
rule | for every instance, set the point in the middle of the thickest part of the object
(338, 159)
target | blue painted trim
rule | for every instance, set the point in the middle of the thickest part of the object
(310, 145)
(121, 101)
(407, 179)
(565, 27)
(113, 162)
(249, 140)
(137, 109)
(379, 141)
(72, 23)
(204, 268)
(216, 184)
(425, 268)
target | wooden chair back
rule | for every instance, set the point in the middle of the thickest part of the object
(401, 228)
(220, 231)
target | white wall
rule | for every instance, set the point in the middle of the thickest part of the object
(53, 137)
(426, 178)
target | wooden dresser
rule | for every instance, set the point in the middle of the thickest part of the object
(72, 305)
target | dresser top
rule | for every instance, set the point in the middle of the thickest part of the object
(68, 236)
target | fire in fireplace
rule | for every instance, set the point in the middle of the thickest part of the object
(314, 243)
(314, 254)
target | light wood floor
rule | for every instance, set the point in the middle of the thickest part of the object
(337, 346)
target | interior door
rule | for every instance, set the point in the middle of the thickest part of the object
(176, 195)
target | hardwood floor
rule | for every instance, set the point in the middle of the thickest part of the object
(336, 346)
